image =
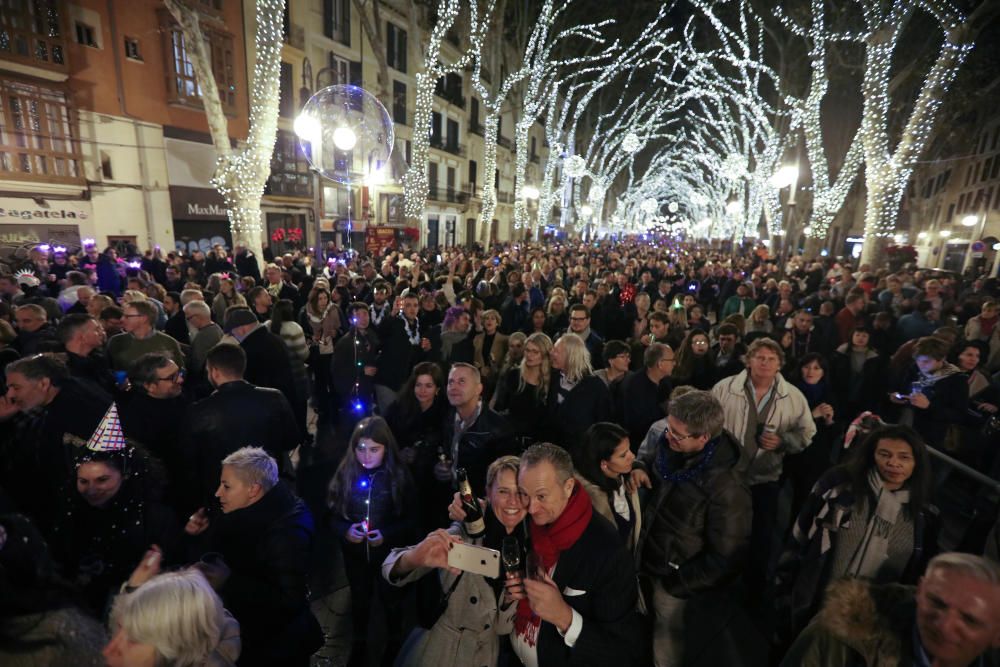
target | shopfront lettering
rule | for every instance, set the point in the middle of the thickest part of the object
(194, 208)
(52, 214)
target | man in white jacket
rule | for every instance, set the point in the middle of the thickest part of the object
(770, 418)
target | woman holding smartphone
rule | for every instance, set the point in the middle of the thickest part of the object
(478, 610)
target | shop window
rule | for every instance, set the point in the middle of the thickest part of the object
(37, 134)
(290, 175)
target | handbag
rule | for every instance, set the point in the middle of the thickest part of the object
(432, 600)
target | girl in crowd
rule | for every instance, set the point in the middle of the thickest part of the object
(695, 362)
(373, 508)
(523, 391)
(866, 519)
(320, 321)
(478, 609)
(227, 296)
(537, 321)
(857, 374)
(603, 464)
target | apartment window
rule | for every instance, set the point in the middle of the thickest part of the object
(452, 137)
(37, 139)
(184, 86)
(473, 167)
(986, 170)
(474, 112)
(399, 102)
(340, 71)
(395, 46)
(409, 147)
(290, 176)
(337, 20)
(432, 180)
(85, 34)
(995, 171)
(286, 93)
(30, 33)
(132, 51)
(436, 138)
(951, 213)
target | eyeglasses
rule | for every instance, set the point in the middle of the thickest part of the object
(678, 436)
(173, 377)
(578, 319)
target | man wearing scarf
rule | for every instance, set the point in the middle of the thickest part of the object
(696, 531)
(578, 607)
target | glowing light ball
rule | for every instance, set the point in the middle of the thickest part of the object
(631, 143)
(575, 166)
(345, 133)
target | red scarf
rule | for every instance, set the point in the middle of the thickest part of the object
(548, 542)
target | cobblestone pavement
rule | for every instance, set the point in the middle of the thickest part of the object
(334, 615)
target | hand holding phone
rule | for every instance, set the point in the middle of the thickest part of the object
(474, 559)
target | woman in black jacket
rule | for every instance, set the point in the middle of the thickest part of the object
(857, 374)
(577, 397)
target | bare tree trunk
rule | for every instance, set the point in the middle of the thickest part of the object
(241, 174)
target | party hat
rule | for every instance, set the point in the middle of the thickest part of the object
(109, 436)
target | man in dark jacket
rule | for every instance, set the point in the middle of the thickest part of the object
(579, 323)
(267, 362)
(642, 392)
(84, 339)
(176, 326)
(402, 347)
(579, 609)
(246, 262)
(237, 413)
(695, 531)
(34, 333)
(263, 537)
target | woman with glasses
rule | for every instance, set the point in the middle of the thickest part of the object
(523, 391)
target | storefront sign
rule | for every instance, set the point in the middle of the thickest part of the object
(188, 203)
(379, 238)
(18, 209)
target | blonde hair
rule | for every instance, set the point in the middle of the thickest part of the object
(760, 313)
(133, 295)
(577, 357)
(544, 344)
(177, 613)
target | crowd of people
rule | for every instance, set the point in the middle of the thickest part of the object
(683, 455)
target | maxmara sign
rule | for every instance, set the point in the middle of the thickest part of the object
(188, 203)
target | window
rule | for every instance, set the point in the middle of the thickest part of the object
(472, 175)
(340, 72)
(409, 148)
(37, 138)
(987, 164)
(85, 34)
(951, 213)
(184, 86)
(106, 171)
(132, 51)
(31, 33)
(432, 180)
(436, 138)
(290, 175)
(337, 20)
(399, 102)
(286, 94)
(395, 46)
(474, 112)
(452, 137)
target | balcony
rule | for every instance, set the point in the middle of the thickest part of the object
(534, 158)
(475, 127)
(447, 146)
(506, 143)
(449, 195)
(505, 198)
(451, 96)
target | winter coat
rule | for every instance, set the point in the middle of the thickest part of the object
(803, 570)
(486, 439)
(602, 505)
(64, 637)
(268, 363)
(397, 355)
(949, 402)
(488, 361)
(266, 547)
(371, 500)
(873, 381)
(695, 532)
(236, 415)
(468, 631)
(790, 414)
(587, 403)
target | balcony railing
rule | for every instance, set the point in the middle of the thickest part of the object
(449, 195)
(447, 146)
(506, 143)
(451, 96)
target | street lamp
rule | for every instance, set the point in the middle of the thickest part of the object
(944, 233)
(970, 220)
(344, 138)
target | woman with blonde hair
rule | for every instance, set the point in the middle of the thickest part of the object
(523, 391)
(577, 397)
(172, 619)
(760, 320)
(225, 297)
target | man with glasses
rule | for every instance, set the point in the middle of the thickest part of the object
(695, 533)
(643, 392)
(154, 412)
(140, 337)
(770, 419)
(579, 323)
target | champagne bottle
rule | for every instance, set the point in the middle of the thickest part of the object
(475, 523)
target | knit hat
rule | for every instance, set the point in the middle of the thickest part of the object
(238, 317)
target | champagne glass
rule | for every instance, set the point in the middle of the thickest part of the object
(510, 551)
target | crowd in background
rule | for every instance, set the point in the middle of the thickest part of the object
(703, 456)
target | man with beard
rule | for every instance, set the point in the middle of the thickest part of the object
(83, 337)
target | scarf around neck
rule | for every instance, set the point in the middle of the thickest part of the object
(873, 550)
(548, 542)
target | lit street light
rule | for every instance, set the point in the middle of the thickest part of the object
(344, 138)
(530, 192)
